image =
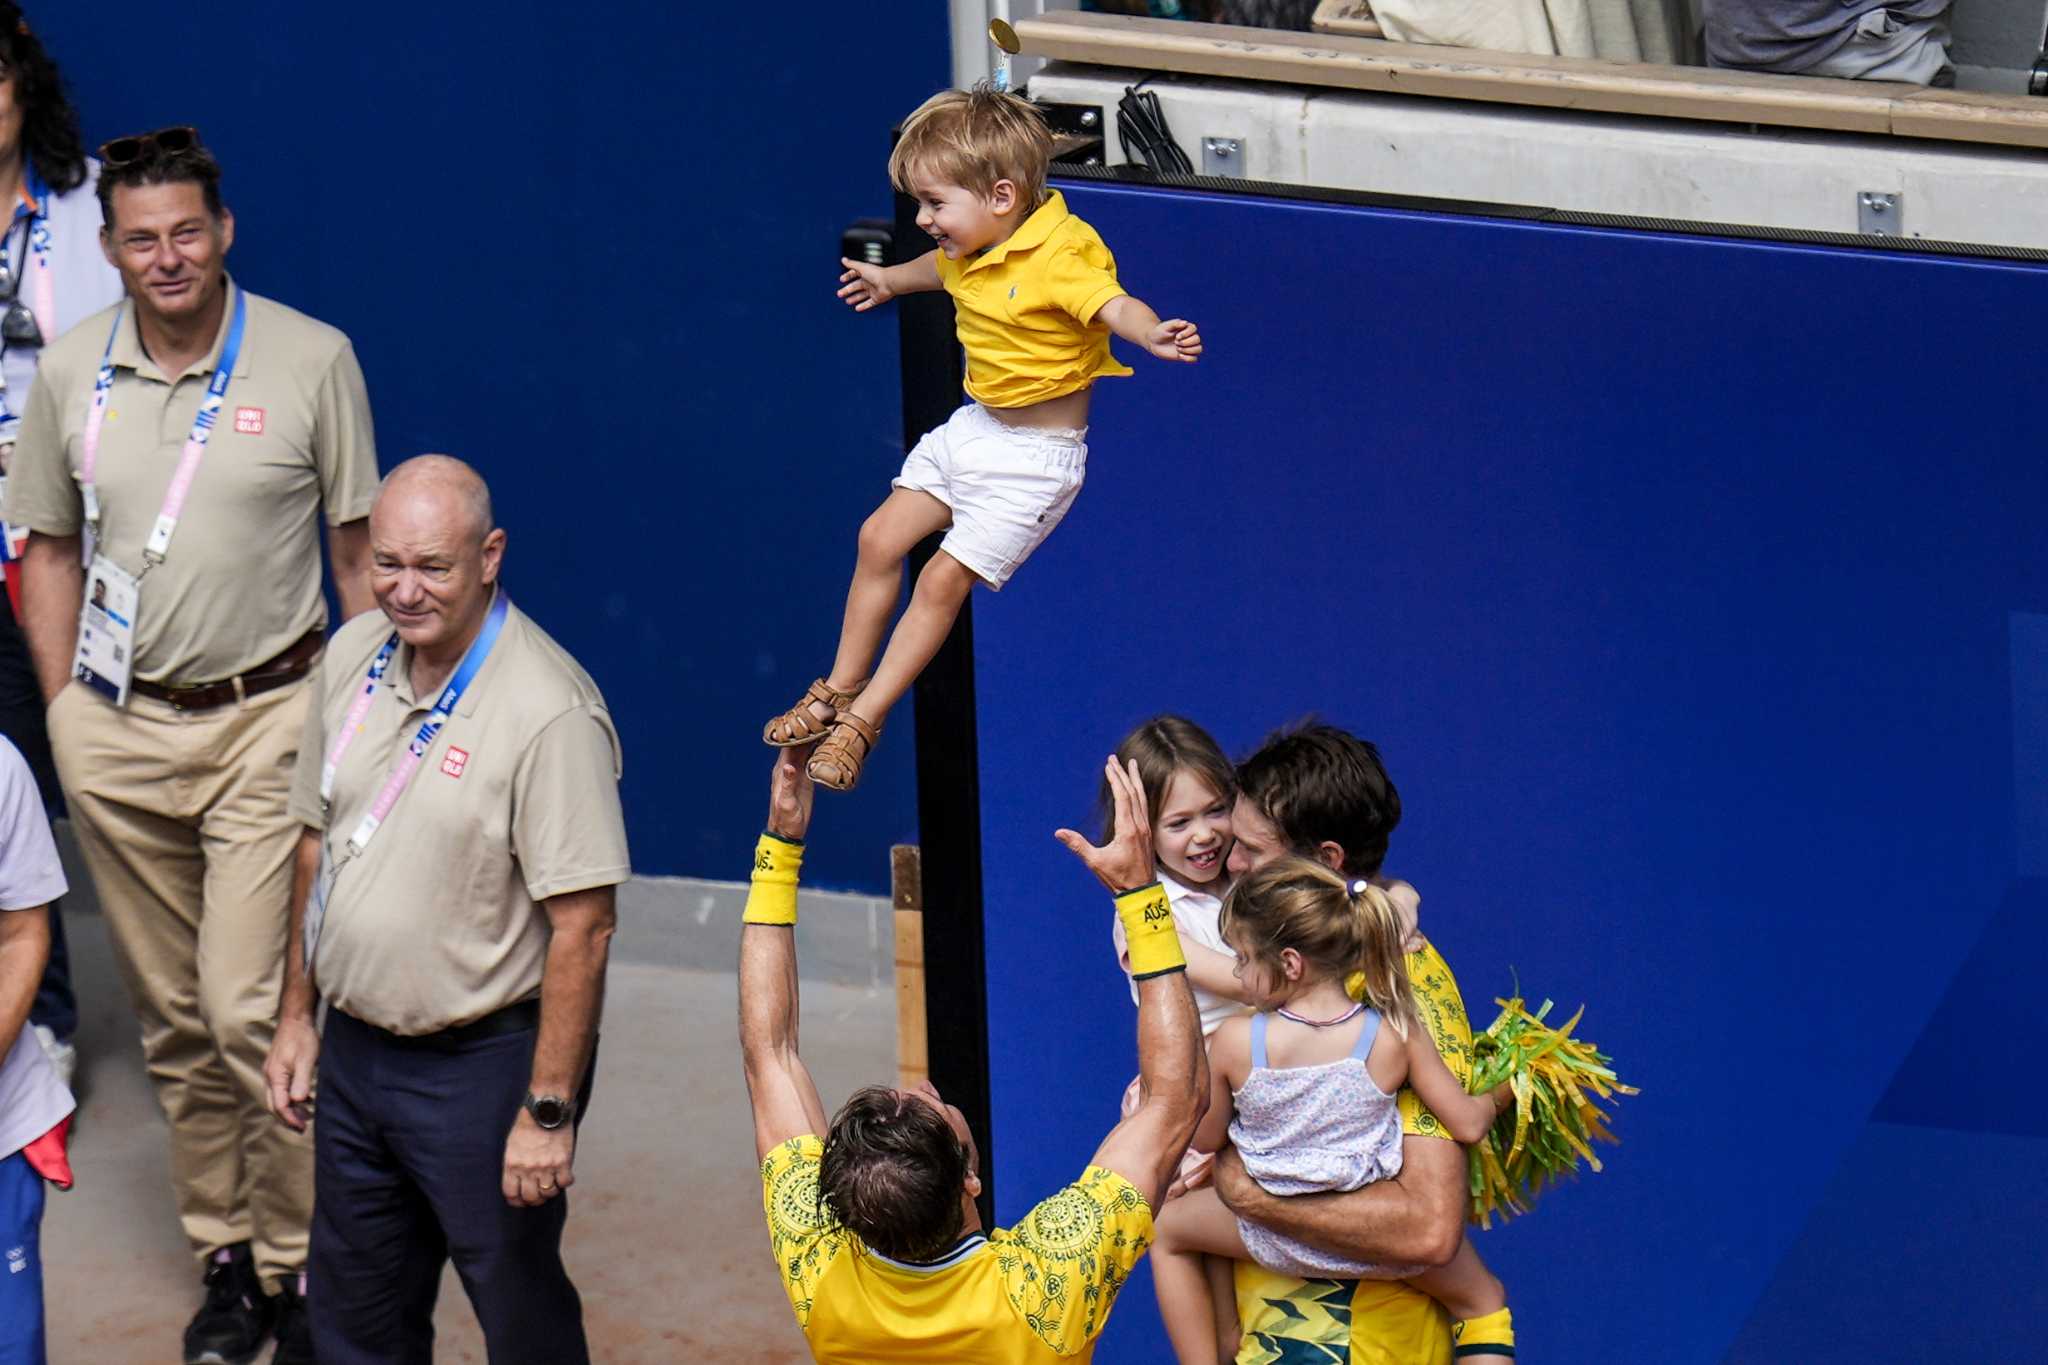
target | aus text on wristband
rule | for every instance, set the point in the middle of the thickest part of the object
(771, 894)
(1149, 929)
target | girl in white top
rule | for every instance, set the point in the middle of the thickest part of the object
(1189, 788)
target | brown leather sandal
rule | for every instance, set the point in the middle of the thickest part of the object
(798, 726)
(835, 765)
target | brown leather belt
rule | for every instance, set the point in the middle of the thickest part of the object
(289, 666)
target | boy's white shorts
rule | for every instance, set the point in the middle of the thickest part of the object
(1007, 486)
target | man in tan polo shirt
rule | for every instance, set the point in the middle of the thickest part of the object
(194, 438)
(458, 785)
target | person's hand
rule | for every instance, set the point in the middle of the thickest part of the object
(1191, 1176)
(1503, 1096)
(288, 1072)
(1231, 1180)
(1125, 862)
(862, 285)
(1407, 903)
(537, 1162)
(790, 794)
(1174, 339)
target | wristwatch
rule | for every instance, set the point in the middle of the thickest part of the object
(549, 1111)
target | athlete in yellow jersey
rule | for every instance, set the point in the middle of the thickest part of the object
(873, 1225)
(1321, 793)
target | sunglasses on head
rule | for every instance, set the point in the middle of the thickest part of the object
(126, 151)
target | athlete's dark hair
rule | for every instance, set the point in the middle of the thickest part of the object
(892, 1174)
(1317, 782)
(49, 125)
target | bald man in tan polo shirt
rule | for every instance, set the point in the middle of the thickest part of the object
(458, 784)
(177, 790)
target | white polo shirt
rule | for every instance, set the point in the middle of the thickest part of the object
(83, 282)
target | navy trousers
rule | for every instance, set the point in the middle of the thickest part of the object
(409, 1154)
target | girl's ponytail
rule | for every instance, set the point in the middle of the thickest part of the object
(1345, 926)
(1380, 977)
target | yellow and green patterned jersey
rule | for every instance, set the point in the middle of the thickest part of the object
(1040, 1291)
(1364, 1322)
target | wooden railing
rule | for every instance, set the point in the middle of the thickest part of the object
(1341, 62)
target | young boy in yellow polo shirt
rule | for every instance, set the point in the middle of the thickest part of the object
(1035, 299)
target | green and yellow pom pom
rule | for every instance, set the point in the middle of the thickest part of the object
(1555, 1120)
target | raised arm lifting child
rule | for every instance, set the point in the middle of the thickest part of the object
(1035, 299)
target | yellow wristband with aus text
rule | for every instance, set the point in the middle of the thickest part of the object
(771, 896)
(1149, 930)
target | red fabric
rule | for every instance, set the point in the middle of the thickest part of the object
(14, 587)
(47, 1157)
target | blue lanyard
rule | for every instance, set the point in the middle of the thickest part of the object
(34, 243)
(444, 706)
(203, 423)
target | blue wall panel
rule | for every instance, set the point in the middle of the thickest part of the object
(591, 250)
(1677, 579)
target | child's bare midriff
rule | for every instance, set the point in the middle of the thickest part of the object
(1069, 411)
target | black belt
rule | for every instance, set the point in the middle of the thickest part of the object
(290, 666)
(517, 1018)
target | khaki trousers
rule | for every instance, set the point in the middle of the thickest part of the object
(181, 818)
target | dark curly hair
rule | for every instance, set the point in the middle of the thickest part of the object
(49, 125)
(892, 1174)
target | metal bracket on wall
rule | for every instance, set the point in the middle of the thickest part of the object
(1077, 132)
(1879, 214)
(1223, 156)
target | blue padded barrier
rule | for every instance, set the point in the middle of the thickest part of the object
(593, 251)
(1690, 586)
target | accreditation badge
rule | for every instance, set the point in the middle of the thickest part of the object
(316, 904)
(106, 630)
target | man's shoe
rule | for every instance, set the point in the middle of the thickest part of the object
(294, 1326)
(234, 1323)
(62, 1055)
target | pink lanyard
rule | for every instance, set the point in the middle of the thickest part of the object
(203, 423)
(352, 724)
(415, 752)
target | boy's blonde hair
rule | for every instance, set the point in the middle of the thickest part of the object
(1344, 926)
(973, 138)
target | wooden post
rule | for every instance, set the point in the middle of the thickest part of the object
(906, 879)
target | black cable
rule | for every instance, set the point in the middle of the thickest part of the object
(1141, 128)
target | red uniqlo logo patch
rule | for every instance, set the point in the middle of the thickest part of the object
(454, 761)
(249, 421)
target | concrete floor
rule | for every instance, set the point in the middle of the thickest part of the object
(665, 1239)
